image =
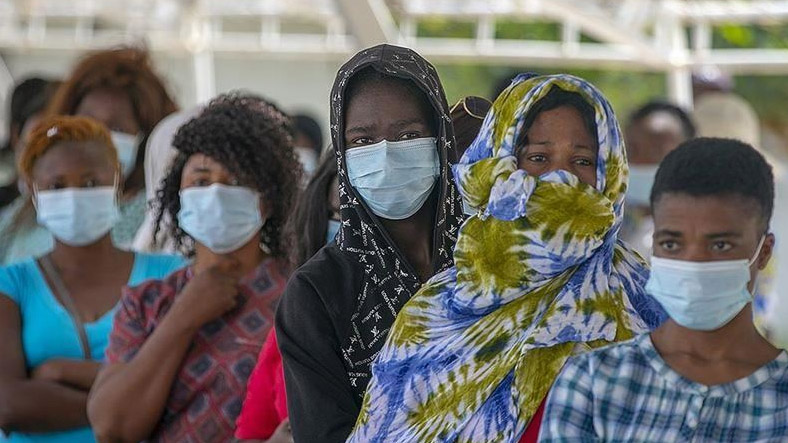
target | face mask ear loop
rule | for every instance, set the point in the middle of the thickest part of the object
(116, 186)
(758, 250)
(35, 196)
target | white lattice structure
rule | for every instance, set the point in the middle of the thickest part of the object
(671, 36)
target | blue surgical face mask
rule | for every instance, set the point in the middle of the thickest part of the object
(126, 145)
(333, 230)
(641, 180)
(703, 296)
(77, 216)
(222, 218)
(394, 178)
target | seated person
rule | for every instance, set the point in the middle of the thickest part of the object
(706, 374)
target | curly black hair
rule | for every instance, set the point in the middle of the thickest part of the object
(253, 139)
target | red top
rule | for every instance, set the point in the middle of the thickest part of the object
(265, 406)
(209, 388)
(531, 434)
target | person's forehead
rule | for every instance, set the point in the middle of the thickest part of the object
(200, 160)
(662, 122)
(70, 154)
(712, 213)
(393, 93)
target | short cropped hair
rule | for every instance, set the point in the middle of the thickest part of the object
(687, 125)
(717, 167)
(62, 128)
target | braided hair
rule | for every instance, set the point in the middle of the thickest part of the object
(253, 139)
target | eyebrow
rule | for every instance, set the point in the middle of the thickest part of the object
(360, 129)
(723, 235)
(406, 122)
(714, 236)
(200, 168)
(669, 233)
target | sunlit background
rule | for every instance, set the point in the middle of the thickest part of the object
(289, 50)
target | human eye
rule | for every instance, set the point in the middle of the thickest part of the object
(537, 158)
(669, 245)
(721, 246)
(410, 135)
(586, 162)
(361, 141)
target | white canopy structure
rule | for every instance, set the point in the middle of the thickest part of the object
(671, 36)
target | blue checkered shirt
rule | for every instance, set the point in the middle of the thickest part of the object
(627, 393)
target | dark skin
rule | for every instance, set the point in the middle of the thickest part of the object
(703, 229)
(53, 396)
(114, 109)
(559, 139)
(387, 111)
(653, 137)
(211, 293)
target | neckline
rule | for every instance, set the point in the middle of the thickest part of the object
(58, 306)
(775, 367)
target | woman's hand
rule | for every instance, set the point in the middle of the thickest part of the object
(209, 294)
(78, 374)
(51, 370)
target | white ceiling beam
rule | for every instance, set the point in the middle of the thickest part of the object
(731, 11)
(597, 25)
(370, 21)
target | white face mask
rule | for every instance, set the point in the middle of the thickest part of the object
(78, 216)
(703, 296)
(126, 145)
(641, 180)
(308, 159)
(223, 218)
(394, 178)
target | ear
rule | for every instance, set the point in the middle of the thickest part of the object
(265, 209)
(766, 252)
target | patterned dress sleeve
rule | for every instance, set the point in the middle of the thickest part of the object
(260, 414)
(129, 327)
(568, 416)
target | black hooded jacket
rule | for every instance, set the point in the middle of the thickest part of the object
(337, 309)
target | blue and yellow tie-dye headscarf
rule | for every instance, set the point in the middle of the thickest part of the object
(539, 274)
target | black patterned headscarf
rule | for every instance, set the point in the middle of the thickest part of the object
(389, 281)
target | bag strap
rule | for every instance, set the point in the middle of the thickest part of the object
(62, 293)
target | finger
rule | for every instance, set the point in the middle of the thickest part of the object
(228, 264)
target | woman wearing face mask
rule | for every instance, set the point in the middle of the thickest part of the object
(183, 347)
(119, 89)
(159, 154)
(400, 213)
(706, 374)
(539, 275)
(315, 222)
(56, 310)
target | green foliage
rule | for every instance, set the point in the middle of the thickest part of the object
(625, 89)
